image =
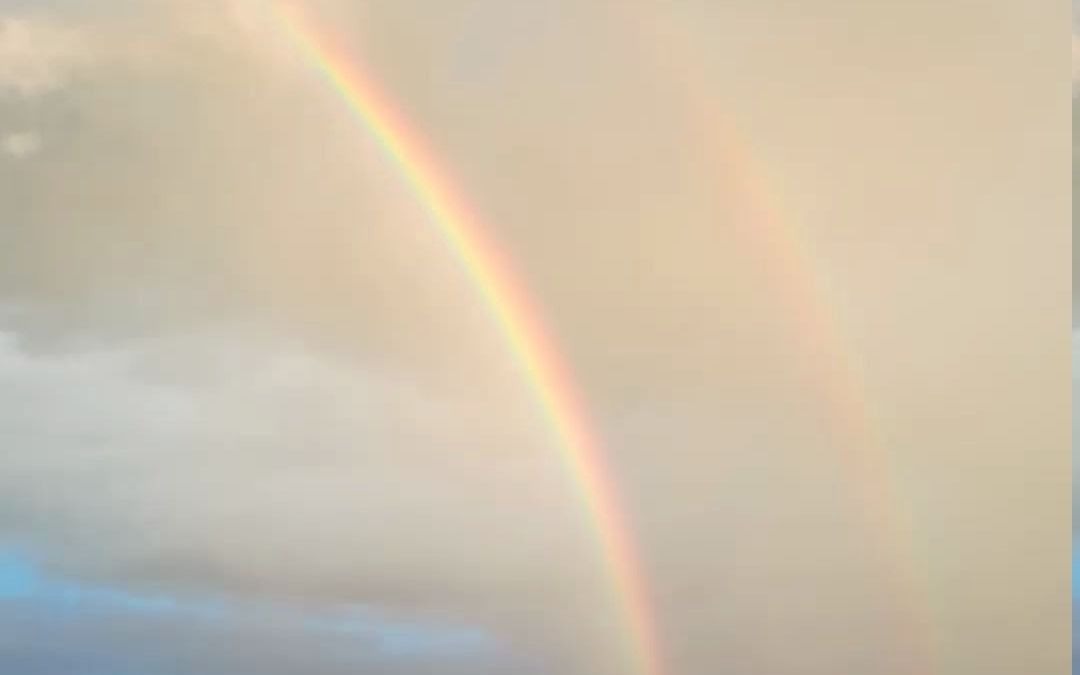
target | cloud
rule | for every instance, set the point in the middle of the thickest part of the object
(1075, 62)
(363, 635)
(44, 49)
(21, 144)
(38, 56)
(228, 461)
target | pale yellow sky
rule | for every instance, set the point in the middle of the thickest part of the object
(237, 358)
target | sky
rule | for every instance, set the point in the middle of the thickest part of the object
(807, 266)
(1076, 348)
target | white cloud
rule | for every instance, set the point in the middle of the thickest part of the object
(227, 458)
(21, 144)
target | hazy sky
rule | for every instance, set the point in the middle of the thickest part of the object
(1075, 341)
(254, 418)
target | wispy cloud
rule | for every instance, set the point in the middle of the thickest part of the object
(371, 633)
(236, 463)
(38, 55)
(43, 51)
(20, 144)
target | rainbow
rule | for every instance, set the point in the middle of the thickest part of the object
(814, 319)
(514, 314)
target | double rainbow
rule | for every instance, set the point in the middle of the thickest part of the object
(796, 283)
(514, 314)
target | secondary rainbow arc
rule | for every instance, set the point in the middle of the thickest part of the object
(801, 286)
(515, 315)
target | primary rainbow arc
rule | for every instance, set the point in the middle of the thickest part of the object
(513, 313)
